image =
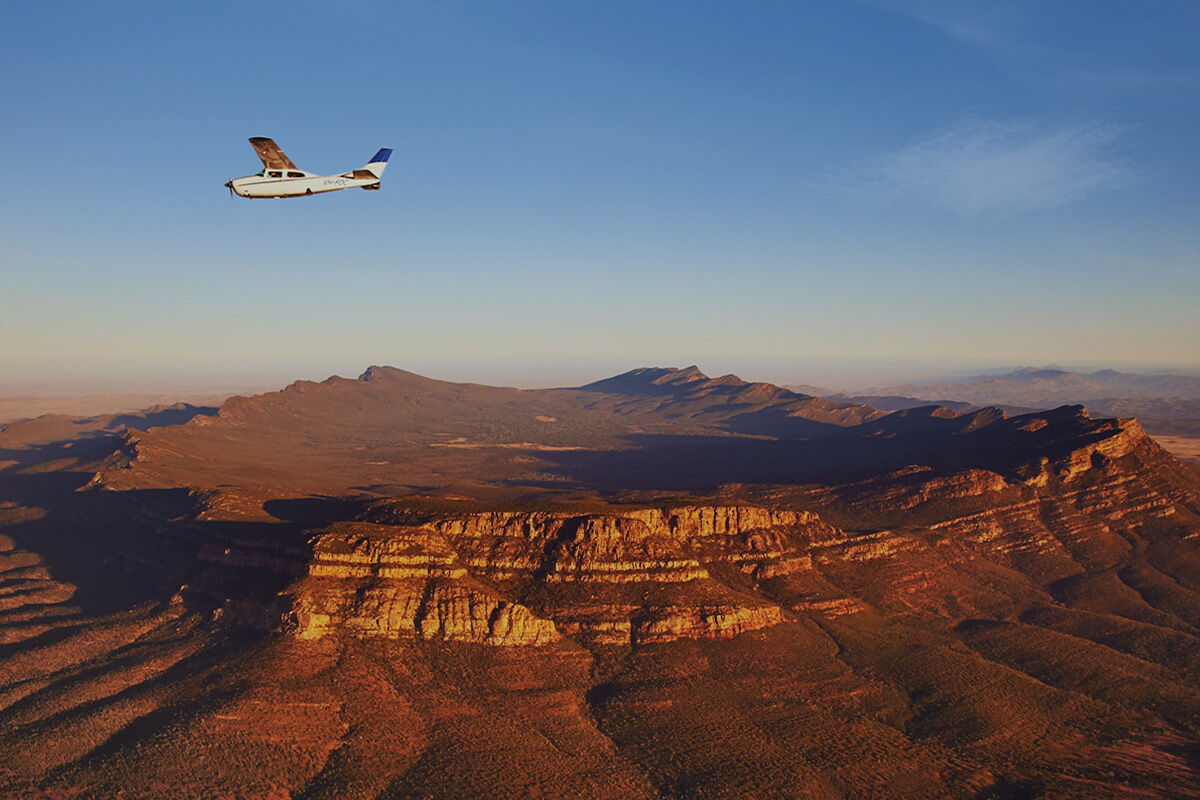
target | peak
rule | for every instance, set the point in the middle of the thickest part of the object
(376, 372)
(648, 379)
(662, 375)
(381, 374)
(679, 377)
(1034, 373)
(159, 408)
(1073, 411)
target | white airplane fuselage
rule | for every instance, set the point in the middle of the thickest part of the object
(280, 177)
(297, 183)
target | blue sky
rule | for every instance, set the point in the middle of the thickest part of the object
(790, 191)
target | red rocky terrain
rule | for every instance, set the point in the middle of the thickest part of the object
(657, 585)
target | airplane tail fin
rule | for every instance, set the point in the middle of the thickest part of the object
(378, 162)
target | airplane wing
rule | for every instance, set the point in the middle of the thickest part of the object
(272, 157)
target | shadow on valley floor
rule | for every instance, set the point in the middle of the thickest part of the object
(779, 423)
(312, 512)
(172, 415)
(121, 549)
(694, 463)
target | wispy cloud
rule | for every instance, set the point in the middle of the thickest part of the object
(987, 165)
(1004, 33)
(975, 24)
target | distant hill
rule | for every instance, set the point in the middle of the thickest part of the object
(895, 402)
(1045, 388)
(27, 406)
(51, 428)
(1165, 404)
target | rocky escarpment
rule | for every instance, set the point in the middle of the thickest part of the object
(979, 543)
(961, 545)
(394, 581)
(517, 578)
(918, 540)
(634, 545)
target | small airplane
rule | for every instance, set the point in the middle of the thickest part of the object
(279, 177)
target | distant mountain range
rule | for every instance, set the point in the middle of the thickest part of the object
(1165, 404)
(1031, 386)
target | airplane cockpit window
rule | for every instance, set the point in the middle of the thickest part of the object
(260, 173)
(274, 174)
(295, 174)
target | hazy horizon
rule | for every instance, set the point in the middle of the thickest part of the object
(50, 380)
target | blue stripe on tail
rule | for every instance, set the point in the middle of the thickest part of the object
(383, 155)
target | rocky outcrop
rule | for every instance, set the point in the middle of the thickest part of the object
(357, 550)
(647, 570)
(645, 575)
(457, 611)
(397, 581)
(706, 621)
(1113, 439)
(629, 545)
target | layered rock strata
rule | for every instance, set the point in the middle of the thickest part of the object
(375, 580)
(637, 575)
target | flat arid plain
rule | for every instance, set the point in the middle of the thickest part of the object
(659, 584)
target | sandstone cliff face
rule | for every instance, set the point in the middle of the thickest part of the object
(660, 545)
(633, 576)
(395, 582)
(406, 608)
